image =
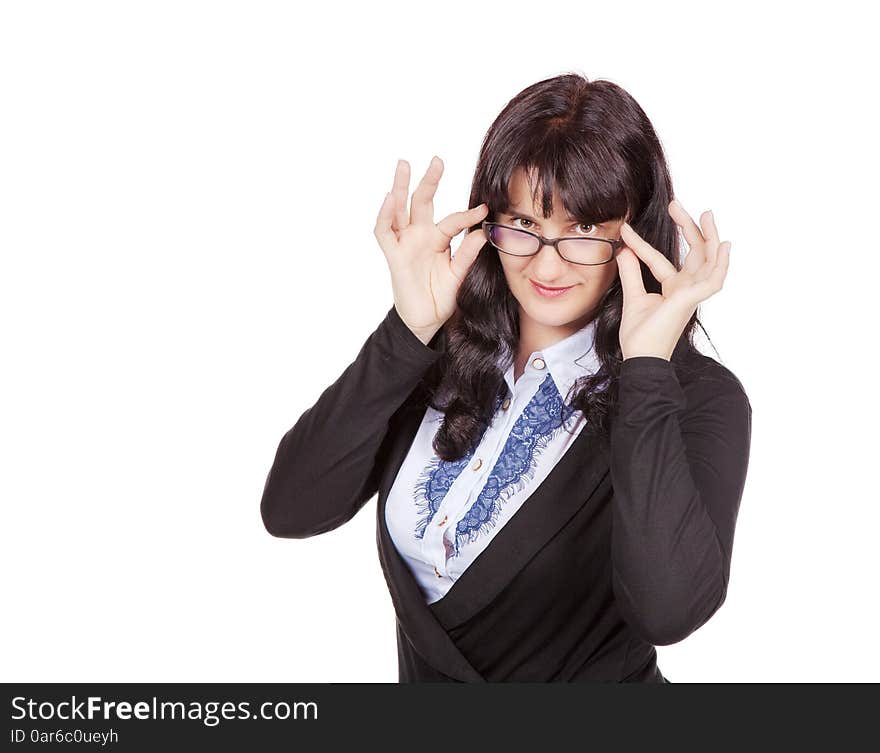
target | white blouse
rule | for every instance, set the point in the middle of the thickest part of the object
(442, 514)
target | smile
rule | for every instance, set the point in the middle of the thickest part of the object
(548, 292)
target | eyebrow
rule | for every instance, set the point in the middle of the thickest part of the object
(516, 213)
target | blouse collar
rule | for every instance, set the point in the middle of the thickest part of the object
(566, 360)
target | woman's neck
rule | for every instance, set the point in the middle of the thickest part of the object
(534, 335)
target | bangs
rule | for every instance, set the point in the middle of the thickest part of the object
(590, 177)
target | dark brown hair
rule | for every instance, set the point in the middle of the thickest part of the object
(594, 143)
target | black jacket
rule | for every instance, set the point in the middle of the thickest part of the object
(615, 552)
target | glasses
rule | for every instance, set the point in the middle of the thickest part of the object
(588, 251)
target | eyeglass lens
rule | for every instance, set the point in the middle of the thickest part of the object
(577, 250)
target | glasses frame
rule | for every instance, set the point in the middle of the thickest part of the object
(616, 245)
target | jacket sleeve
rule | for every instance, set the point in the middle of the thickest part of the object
(678, 468)
(327, 466)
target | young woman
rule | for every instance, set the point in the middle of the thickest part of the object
(559, 469)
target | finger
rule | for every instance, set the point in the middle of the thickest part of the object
(454, 223)
(694, 260)
(715, 280)
(467, 252)
(383, 231)
(400, 193)
(692, 233)
(630, 274)
(710, 232)
(659, 265)
(423, 196)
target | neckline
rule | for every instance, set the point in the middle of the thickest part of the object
(551, 504)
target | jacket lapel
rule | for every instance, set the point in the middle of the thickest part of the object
(563, 492)
(428, 637)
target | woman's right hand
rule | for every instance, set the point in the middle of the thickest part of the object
(425, 277)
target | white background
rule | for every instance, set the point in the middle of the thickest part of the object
(187, 198)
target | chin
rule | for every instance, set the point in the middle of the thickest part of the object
(555, 314)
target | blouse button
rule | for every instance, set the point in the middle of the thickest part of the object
(506, 404)
(476, 466)
(538, 363)
(443, 521)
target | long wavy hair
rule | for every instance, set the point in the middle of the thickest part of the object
(594, 142)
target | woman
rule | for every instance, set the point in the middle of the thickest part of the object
(559, 469)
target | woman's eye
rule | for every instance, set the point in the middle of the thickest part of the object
(590, 231)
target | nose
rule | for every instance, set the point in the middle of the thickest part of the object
(548, 262)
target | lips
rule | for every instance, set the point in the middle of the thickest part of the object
(548, 287)
(548, 292)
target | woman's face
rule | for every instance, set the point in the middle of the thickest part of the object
(588, 283)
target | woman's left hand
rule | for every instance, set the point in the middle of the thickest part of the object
(652, 323)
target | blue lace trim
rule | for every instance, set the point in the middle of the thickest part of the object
(545, 415)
